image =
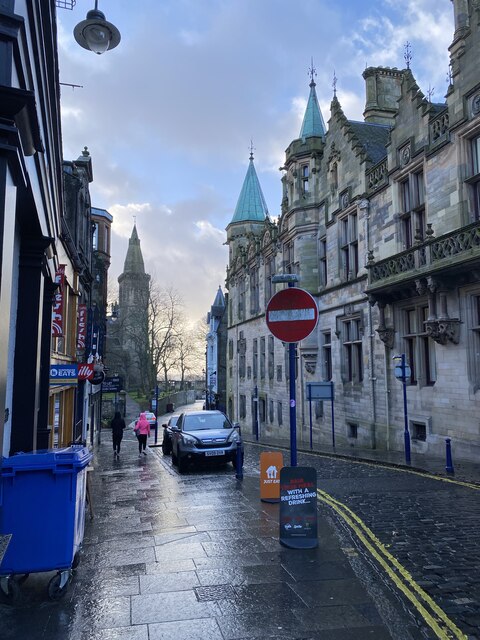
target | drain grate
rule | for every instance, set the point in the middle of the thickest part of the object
(214, 592)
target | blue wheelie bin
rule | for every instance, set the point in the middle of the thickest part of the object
(42, 506)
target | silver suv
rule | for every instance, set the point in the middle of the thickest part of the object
(202, 436)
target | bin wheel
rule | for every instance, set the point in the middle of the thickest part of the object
(9, 588)
(76, 560)
(58, 585)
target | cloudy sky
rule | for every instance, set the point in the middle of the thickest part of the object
(169, 114)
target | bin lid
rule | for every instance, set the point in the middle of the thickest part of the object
(69, 458)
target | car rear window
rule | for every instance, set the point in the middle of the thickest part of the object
(210, 421)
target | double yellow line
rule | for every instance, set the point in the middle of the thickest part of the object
(433, 615)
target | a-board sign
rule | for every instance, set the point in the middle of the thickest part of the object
(298, 507)
(271, 463)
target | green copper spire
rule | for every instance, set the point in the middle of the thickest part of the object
(313, 124)
(251, 204)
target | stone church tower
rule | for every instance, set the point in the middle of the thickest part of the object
(132, 317)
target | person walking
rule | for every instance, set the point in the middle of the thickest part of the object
(142, 429)
(117, 425)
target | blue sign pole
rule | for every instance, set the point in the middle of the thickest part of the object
(405, 410)
(309, 387)
(333, 419)
(293, 402)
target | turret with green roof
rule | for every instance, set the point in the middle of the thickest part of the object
(250, 213)
(313, 124)
(251, 204)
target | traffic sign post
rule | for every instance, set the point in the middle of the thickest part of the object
(292, 315)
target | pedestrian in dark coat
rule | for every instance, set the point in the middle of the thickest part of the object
(118, 425)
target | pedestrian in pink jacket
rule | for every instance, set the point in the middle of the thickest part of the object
(142, 429)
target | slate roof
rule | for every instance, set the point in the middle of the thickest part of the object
(313, 124)
(372, 137)
(251, 204)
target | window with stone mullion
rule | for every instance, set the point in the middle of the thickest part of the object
(419, 347)
(475, 180)
(352, 350)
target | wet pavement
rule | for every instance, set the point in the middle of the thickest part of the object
(170, 556)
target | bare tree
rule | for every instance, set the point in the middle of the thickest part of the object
(165, 324)
(191, 351)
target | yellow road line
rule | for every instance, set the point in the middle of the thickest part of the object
(437, 619)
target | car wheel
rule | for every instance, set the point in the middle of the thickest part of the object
(166, 448)
(182, 465)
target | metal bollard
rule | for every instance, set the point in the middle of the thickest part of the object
(239, 466)
(449, 462)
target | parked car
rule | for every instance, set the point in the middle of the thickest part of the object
(167, 434)
(202, 436)
(150, 416)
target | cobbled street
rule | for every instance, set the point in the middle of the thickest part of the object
(170, 556)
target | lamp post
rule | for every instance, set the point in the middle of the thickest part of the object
(95, 33)
(402, 372)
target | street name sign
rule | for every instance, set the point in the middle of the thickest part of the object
(292, 314)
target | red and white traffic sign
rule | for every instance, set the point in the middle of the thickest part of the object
(292, 314)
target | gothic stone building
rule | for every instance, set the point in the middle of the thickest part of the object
(127, 328)
(380, 220)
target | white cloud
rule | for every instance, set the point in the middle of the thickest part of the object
(168, 115)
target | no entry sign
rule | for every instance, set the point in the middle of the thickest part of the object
(292, 314)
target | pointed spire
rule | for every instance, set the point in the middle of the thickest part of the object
(313, 124)
(251, 204)
(134, 258)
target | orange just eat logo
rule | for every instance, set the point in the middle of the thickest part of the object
(270, 464)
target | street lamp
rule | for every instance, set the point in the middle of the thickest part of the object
(95, 33)
(403, 372)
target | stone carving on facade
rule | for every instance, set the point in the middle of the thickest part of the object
(443, 331)
(387, 336)
(378, 176)
(476, 104)
(405, 154)
(310, 362)
(421, 287)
